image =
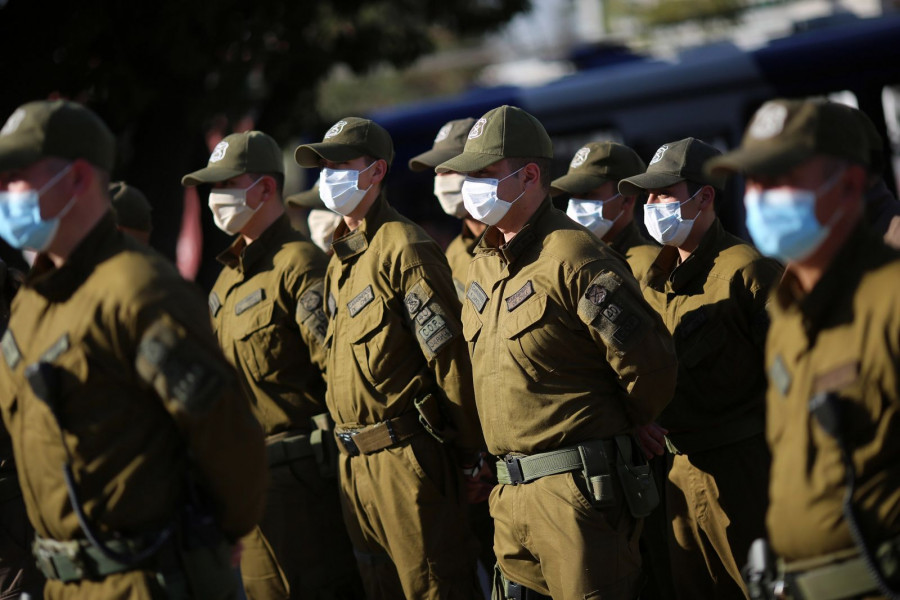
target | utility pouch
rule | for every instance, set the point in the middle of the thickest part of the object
(636, 478)
(431, 418)
(598, 473)
(324, 446)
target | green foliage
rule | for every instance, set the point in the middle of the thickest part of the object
(672, 12)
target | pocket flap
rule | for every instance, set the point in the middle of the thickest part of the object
(471, 324)
(367, 321)
(704, 343)
(255, 318)
(524, 316)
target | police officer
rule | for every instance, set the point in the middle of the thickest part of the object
(132, 211)
(399, 379)
(567, 359)
(594, 200)
(832, 355)
(449, 141)
(267, 311)
(711, 289)
(138, 460)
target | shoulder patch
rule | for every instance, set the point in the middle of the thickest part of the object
(10, 349)
(477, 296)
(214, 303)
(249, 301)
(433, 326)
(56, 350)
(519, 296)
(360, 301)
(310, 313)
(612, 312)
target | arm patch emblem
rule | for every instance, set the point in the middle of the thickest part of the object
(430, 321)
(310, 314)
(611, 312)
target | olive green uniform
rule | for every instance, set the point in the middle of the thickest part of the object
(714, 303)
(564, 351)
(459, 254)
(142, 386)
(840, 337)
(394, 337)
(266, 308)
(638, 251)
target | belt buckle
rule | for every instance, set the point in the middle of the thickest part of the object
(346, 438)
(390, 430)
(514, 469)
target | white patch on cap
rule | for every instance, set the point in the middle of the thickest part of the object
(218, 152)
(768, 121)
(659, 154)
(443, 133)
(335, 129)
(13, 122)
(477, 128)
(579, 158)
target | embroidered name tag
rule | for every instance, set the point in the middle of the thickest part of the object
(56, 350)
(626, 329)
(10, 349)
(214, 303)
(431, 327)
(440, 339)
(477, 296)
(778, 375)
(249, 301)
(520, 296)
(424, 315)
(360, 301)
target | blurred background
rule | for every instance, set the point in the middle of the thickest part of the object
(172, 77)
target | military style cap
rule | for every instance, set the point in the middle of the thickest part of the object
(306, 199)
(55, 128)
(595, 164)
(239, 153)
(673, 162)
(131, 206)
(784, 133)
(450, 141)
(347, 139)
(504, 132)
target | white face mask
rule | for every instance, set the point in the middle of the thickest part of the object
(448, 189)
(339, 189)
(229, 208)
(590, 214)
(322, 224)
(481, 201)
(664, 222)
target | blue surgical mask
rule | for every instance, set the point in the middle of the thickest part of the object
(21, 225)
(339, 189)
(664, 223)
(783, 223)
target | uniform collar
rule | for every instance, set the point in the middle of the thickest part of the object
(469, 238)
(348, 244)
(667, 268)
(842, 274)
(58, 284)
(242, 256)
(492, 240)
(627, 238)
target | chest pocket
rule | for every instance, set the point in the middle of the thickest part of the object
(471, 327)
(534, 337)
(259, 342)
(382, 346)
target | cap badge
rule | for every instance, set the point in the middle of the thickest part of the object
(443, 133)
(659, 154)
(579, 158)
(13, 122)
(768, 121)
(477, 128)
(218, 152)
(335, 129)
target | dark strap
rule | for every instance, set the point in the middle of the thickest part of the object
(78, 559)
(523, 469)
(841, 574)
(287, 447)
(373, 438)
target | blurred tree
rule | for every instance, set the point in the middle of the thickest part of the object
(672, 12)
(164, 73)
